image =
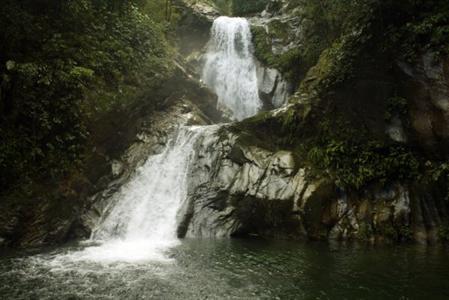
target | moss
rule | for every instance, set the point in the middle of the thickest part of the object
(405, 233)
(397, 107)
(248, 7)
(443, 233)
(315, 207)
(262, 45)
(365, 232)
(288, 63)
(279, 30)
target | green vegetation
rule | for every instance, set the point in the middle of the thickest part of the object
(328, 20)
(236, 7)
(337, 126)
(348, 149)
(322, 24)
(443, 233)
(419, 26)
(407, 28)
(63, 65)
(243, 8)
(396, 106)
(355, 165)
(287, 63)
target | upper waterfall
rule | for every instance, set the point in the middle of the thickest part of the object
(230, 68)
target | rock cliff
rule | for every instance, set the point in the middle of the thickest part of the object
(360, 152)
(238, 189)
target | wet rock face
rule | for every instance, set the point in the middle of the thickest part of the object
(426, 86)
(9, 221)
(375, 214)
(240, 190)
(245, 190)
(280, 29)
(194, 25)
(282, 25)
(273, 88)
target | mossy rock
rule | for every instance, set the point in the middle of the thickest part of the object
(265, 217)
(248, 7)
(314, 210)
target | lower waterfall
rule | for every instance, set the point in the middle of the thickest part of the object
(140, 221)
(146, 207)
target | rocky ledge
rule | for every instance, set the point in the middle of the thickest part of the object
(243, 190)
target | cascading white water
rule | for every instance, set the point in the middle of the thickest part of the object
(140, 222)
(230, 68)
(147, 205)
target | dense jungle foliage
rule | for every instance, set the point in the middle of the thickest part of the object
(377, 36)
(64, 65)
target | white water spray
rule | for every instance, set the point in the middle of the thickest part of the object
(147, 205)
(140, 223)
(230, 68)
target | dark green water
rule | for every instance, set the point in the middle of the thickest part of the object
(235, 269)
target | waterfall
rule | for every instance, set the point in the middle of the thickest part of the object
(140, 222)
(230, 69)
(146, 207)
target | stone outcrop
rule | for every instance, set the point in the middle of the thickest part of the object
(426, 86)
(282, 26)
(239, 190)
(281, 29)
(194, 25)
(273, 88)
(233, 187)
